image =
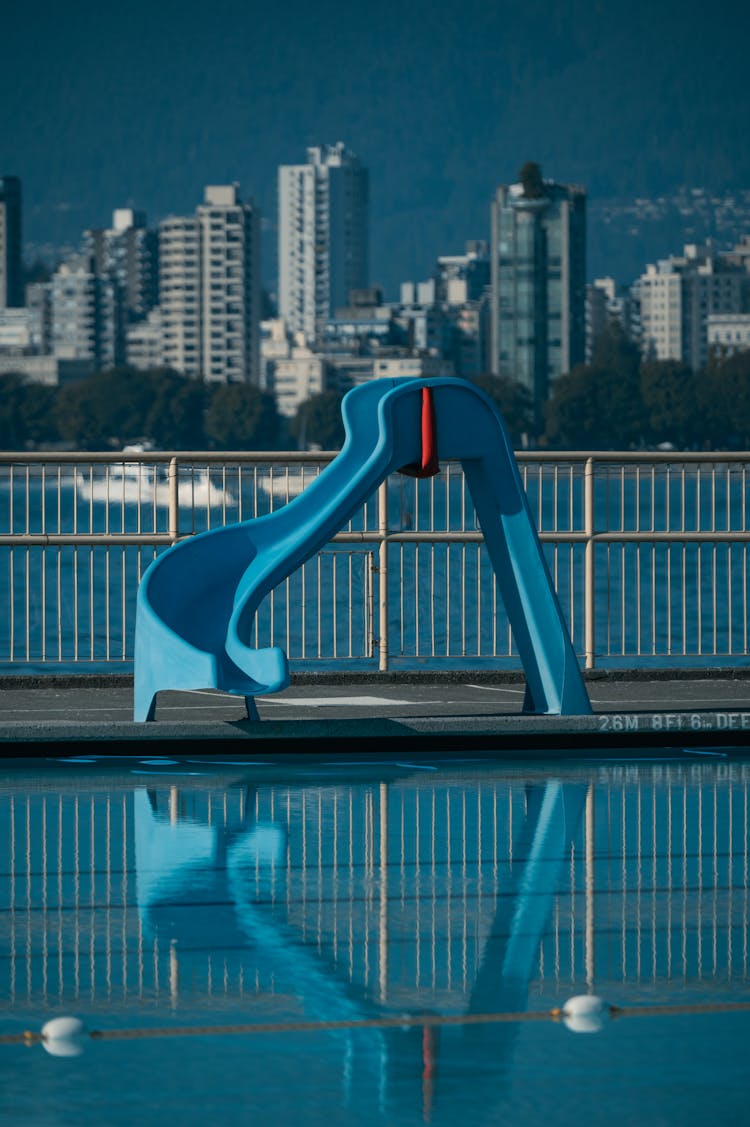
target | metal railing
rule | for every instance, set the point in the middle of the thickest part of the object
(648, 553)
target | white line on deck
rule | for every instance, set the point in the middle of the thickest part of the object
(497, 689)
(356, 702)
(633, 704)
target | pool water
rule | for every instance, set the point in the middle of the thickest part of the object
(374, 942)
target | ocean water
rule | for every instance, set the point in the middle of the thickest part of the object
(680, 602)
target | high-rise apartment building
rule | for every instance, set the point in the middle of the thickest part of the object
(209, 289)
(85, 315)
(179, 294)
(679, 294)
(128, 252)
(323, 236)
(538, 268)
(11, 272)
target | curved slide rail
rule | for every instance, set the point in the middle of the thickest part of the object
(197, 601)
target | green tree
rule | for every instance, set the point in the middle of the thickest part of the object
(175, 417)
(723, 401)
(113, 408)
(532, 181)
(38, 415)
(668, 393)
(240, 417)
(598, 406)
(614, 349)
(573, 411)
(109, 409)
(515, 404)
(79, 417)
(12, 397)
(318, 422)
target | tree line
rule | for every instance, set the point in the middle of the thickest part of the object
(617, 402)
(620, 401)
(111, 409)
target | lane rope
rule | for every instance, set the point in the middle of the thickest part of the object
(405, 1021)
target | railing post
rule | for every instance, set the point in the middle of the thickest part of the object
(383, 570)
(174, 500)
(589, 566)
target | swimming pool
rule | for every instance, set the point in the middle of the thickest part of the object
(381, 942)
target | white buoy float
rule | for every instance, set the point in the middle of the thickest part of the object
(63, 1036)
(585, 1013)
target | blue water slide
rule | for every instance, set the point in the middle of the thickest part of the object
(197, 601)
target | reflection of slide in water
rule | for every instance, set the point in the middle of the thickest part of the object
(197, 601)
(541, 846)
(195, 887)
(543, 843)
(191, 886)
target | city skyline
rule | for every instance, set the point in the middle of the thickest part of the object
(441, 104)
(623, 235)
(188, 293)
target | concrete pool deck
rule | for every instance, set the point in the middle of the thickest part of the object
(643, 712)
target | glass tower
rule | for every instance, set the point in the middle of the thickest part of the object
(538, 262)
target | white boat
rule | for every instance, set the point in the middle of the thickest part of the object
(283, 486)
(141, 483)
(199, 489)
(123, 482)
